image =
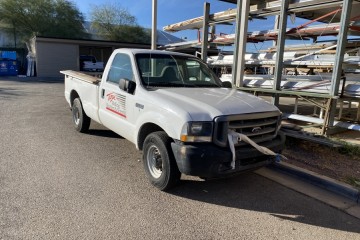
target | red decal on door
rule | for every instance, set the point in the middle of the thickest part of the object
(116, 103)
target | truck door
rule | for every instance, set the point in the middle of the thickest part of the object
(115, 105)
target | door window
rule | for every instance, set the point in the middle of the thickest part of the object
(120, 68)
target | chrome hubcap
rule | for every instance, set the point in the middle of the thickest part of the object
(76, 116)
(154, 161)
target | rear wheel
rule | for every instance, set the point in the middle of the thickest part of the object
(159, 163)
(80, 119)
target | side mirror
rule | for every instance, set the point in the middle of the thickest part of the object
(227, 84)
(127, 85)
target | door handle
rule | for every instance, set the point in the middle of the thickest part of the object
(102, 93)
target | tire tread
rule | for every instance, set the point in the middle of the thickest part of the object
(171, 179)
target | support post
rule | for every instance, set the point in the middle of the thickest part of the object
(341, 44)
(341, 109)
(243, 8)
(296, 105)
(154, 25)
(276, 27)
(236, 44)
(280, 50)
(330, 105)
(274, 42)
(205, 36)
(339, 56)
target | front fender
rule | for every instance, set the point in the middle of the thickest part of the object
(169, 123)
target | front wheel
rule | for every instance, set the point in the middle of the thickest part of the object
(159, 163)
(80, 119)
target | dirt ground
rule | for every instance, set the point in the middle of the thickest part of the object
(342, 164)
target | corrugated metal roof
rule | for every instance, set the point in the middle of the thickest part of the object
(308, 9)
(163, 38)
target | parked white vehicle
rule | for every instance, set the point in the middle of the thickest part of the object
(174, 109)
(89, 63)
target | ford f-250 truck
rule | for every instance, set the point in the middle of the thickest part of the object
(176, 110)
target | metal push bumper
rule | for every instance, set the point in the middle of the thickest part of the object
(210, 161)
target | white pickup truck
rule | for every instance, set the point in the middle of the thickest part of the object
(89, 63)
(174, 109)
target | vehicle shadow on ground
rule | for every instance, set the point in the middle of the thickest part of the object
(253, 192)
(8, 92)
(103, 133)
(32, 79)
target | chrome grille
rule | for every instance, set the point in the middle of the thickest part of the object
(259, 127)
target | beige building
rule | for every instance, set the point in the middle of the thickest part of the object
(54, 54)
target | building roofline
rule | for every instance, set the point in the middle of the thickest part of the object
(92, 42)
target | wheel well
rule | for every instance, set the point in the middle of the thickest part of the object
(73, 95)
(145, 130)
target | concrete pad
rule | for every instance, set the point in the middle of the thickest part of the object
(325, 196)
(319, 180)
(354, 211)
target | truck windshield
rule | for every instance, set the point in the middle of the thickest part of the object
(164, 70)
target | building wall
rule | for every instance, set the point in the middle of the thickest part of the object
(53, 57)
(54, 54)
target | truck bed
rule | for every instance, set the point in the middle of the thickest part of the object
(81, 76)
(87, 89)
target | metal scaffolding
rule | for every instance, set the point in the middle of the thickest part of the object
(283, 10)
(315, 10)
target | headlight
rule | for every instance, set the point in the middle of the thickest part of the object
(197, 132)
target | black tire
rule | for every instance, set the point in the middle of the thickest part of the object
(159, 162)
(80, 119)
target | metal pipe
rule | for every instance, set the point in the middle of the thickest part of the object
(243, 8)
(280, 49)
(314, 20)
(205, 36)
(340, 50)
(154, 25)
(236, 42)
(339, 56)
(319, 51)
(315, 120)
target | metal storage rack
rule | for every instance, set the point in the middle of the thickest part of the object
(318, 10)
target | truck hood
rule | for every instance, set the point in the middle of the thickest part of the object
(204, 104)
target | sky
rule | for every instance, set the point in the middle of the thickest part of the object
(173, 11)
(169, 11)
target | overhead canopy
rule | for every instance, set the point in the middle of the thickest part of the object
(301, 8)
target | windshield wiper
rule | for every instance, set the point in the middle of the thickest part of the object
(208, 85)
(169, 84)
(186, 85)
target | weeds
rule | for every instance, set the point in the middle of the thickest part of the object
(352, 181)
(350, 150)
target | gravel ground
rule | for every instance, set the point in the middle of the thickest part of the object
(56, 183)
(334, 163)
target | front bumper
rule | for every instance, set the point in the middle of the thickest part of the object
(210, 161)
